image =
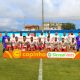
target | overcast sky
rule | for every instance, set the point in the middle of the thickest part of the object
(12, 12)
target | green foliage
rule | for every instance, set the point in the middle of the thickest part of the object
(68, 26)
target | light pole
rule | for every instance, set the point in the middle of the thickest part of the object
(42, 14)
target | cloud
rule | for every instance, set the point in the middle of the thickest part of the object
(32, 8)
(20, 9)
(9, 24)
(68, 9)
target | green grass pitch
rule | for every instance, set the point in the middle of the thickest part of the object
(28, 69)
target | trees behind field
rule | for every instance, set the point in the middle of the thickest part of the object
(68, 26)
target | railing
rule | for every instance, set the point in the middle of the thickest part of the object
(45, 31)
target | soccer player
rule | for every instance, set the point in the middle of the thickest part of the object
(65, 37)
(42, 37)
(13, 40)
(63, 45)
(50, 36)
(56, 44)
(28, 40)
(78, 41)
(24, 44)
(71, 36)
(8, 45)
(73, 45)
(56, 36)
(17, 44)
(32, 44)
(28, 37)
(40, 44)
(20, 38)
(35, 40)
(4, 40)
(48, 44)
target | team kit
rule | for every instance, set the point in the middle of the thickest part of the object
(50, 42)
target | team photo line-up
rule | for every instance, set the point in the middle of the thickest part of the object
(50, 42)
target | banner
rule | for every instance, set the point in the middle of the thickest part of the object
(40, 54)
(61, 55)
(24, 54)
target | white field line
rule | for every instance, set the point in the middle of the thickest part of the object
(40, 70)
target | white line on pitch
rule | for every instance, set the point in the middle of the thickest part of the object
(40, 70)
